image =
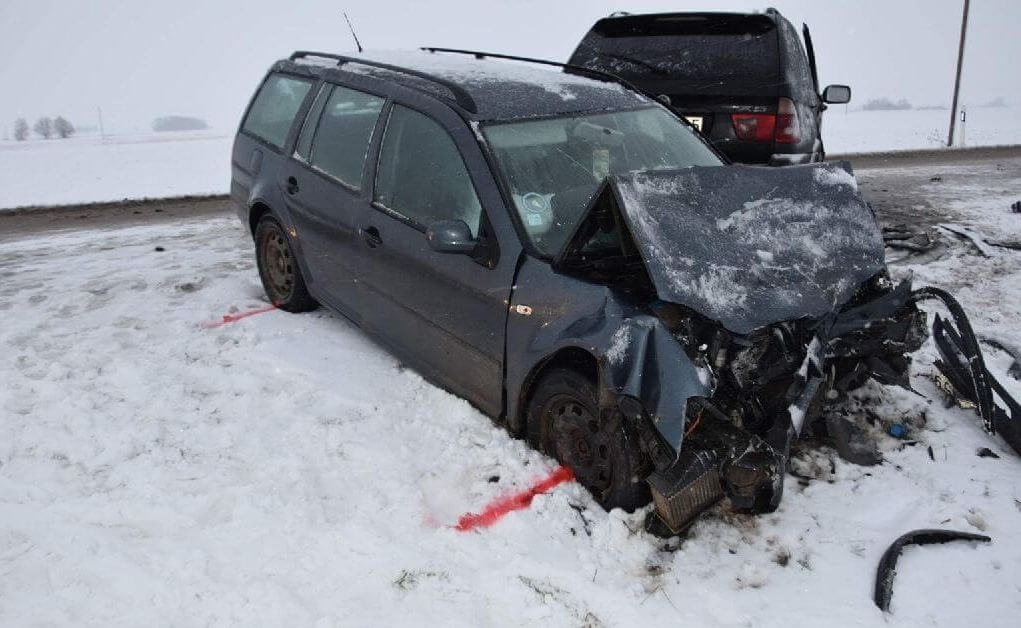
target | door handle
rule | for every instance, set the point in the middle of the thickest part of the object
(292, 185)
(371, 237)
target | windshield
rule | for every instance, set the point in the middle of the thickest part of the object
(554, 167)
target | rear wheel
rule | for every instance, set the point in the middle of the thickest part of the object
(278, 268)
(564, 422)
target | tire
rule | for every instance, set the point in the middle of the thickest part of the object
(278, 268)
(563, 422)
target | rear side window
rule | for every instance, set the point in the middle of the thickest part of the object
(421, 175)
(341, 141)
(693, 48)
(274, 108)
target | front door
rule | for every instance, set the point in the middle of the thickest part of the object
(446, 313)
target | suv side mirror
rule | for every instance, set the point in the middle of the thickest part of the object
(836, 94)
(450, 236)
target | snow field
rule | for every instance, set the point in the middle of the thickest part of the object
(284, 470)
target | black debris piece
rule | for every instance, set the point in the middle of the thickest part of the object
(985, 452)
(936, 179)
(493, 479)
(159, 249)
(888, 563)
(932, 456)
(900, 236)
(851, 442)
(1016, 207)
(963, 365)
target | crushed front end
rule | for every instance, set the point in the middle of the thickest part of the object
(773, 290)
(766, 386)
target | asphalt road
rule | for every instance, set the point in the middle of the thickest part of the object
(895, 184)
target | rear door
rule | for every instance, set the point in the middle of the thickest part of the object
(266, 129)
(326, 193)
(445, 313)
(711, 65)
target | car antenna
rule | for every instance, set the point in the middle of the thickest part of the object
(357, 43)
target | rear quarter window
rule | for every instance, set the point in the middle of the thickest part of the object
(273, 110)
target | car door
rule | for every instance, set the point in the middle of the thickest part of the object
(820, 106)
(326, 192)
(445, 313)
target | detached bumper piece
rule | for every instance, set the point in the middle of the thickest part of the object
(964, 367)
(888, 563)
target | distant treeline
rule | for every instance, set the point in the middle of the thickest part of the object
(885, 104)
(178, 123)
(44, 127)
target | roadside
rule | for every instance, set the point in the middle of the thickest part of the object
(895, 183)
(16, 223)
(907, 187)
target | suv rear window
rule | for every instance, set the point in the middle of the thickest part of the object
(692, 48)
(274, 108)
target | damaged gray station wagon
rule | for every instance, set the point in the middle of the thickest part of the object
(568, 254)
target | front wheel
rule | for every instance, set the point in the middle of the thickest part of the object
(564, 422)
(278, 268)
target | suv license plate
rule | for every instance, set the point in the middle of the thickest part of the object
(696, 121)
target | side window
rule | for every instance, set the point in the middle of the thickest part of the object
(421, 175)
(274, 108)
(341, 141)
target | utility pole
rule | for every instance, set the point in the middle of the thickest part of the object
(957, 81)
(99, 110)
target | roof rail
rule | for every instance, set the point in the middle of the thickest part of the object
(598, 75)
(461, 96)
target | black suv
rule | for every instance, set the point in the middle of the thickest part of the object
(573, 258)
(744, 80)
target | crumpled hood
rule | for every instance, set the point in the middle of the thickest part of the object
(749, 246)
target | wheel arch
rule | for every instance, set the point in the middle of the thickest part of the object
(572, 357)
(255, 213)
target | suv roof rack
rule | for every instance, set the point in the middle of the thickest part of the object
(461, 96)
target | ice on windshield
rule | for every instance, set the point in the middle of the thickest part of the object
(553, 167)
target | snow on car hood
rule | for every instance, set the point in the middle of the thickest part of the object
(749, 246)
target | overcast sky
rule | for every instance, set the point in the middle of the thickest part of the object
(139, 59)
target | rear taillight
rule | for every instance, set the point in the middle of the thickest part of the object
(754, 127)
(788, 129)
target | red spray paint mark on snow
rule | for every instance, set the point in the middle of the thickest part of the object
(233, 318)
(503, 505)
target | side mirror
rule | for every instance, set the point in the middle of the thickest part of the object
(836, 94)
(450, 236)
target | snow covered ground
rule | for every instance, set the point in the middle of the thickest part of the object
(877, 131)
(284, 470)
(90, 169)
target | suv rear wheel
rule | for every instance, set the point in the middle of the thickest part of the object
(278, 268)
(563, 422)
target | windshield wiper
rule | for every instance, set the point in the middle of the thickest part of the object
(644, 64)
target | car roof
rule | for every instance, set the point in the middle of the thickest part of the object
(481, 89)
(769, 13)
